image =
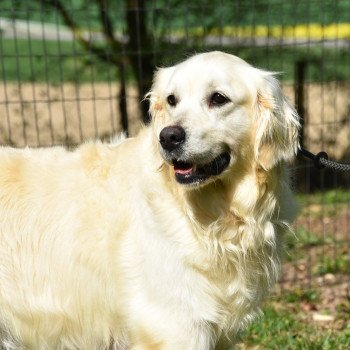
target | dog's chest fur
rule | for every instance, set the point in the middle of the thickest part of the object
(208, 264)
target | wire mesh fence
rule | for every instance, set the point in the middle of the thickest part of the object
(71, 70)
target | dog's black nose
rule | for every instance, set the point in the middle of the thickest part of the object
(171, 137)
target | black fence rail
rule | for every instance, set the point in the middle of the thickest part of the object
(72, 70)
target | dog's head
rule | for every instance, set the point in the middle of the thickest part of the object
(213, 110)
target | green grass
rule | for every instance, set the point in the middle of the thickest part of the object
(50, 61)
(55, 62)
(281, 329)
(297, 244)
(334, 265)
(304, 238)
(189, 14)
(58, 62)
(337, 196)
(324, 204)
(330, 204)
(300, 295)
(287, 321)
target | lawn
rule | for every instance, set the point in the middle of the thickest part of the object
(189, 23)
(191, 14)
(50, 61)
(311, 309)
(57, 62)
(284, 326)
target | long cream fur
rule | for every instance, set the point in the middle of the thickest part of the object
(101, 247)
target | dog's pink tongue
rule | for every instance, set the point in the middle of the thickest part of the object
(183, 171)
(182, 168)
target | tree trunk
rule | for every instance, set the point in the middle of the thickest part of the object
(122, 99)
(139, 51)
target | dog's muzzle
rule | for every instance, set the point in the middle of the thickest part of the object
(172, 139)
(190, 174)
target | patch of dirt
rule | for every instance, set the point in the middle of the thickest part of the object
(330, 309)
(40, 114)
(43, 115)
(308, 265)
(327, 117)
(316, 219)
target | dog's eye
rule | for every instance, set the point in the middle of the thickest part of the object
(171, 99)
(217, 99)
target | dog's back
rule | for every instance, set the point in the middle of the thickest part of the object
(57, 226)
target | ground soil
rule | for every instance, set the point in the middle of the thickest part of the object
(304, 269)
(41, 114)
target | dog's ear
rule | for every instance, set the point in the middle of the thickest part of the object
(155, 95)
(277, 124)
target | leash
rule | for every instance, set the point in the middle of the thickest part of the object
(321, 161)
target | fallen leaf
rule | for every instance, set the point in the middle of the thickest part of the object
(322, 318)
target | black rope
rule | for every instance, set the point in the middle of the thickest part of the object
(321, 161)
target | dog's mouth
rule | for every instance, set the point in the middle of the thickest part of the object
(189, 173)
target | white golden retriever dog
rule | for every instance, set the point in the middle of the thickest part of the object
(169, 240)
